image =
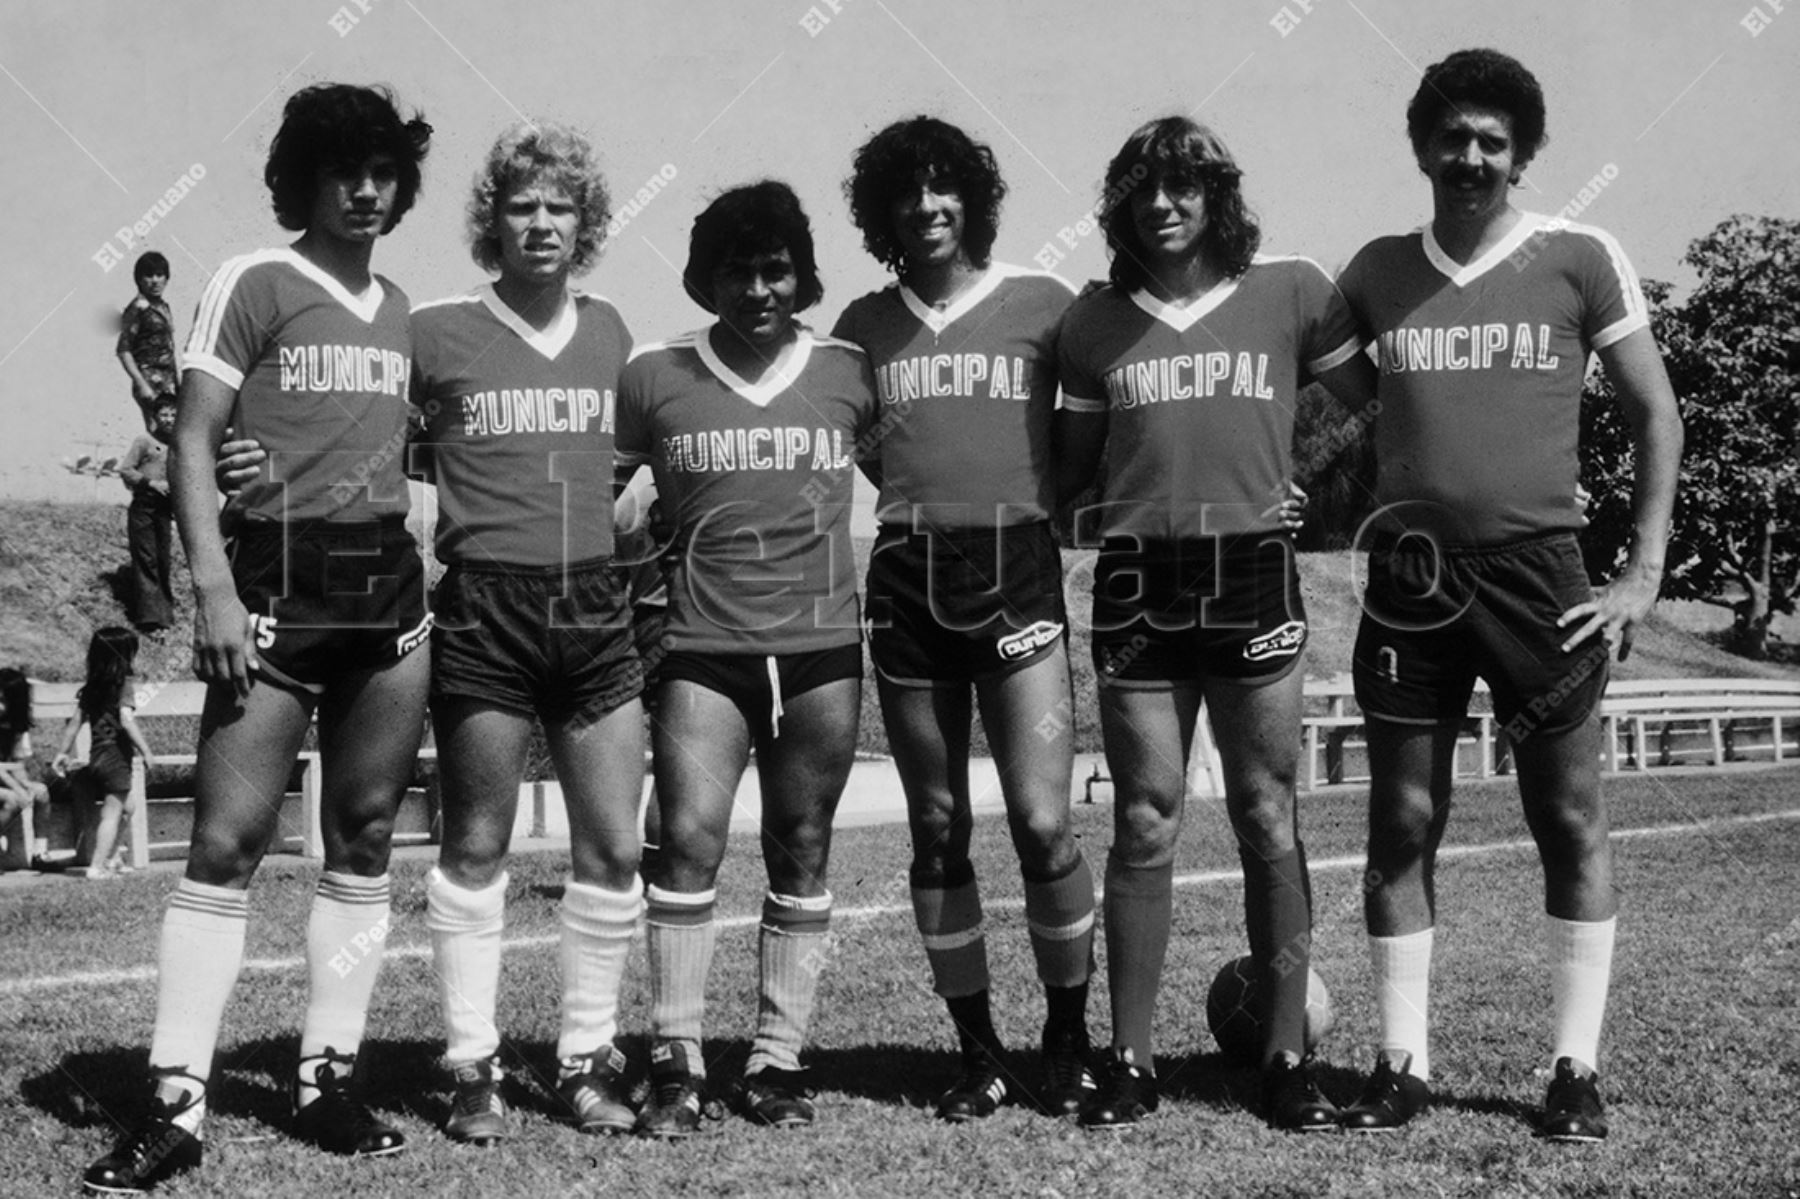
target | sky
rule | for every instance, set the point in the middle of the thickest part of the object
(1684, 107)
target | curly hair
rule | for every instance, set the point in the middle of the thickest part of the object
(1483, 79)
(334, 125)
(1176, 148)
(757, 218)
(890, 164)
(540, 152)
(111, 654)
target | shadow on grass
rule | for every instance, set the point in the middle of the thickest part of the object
(108, 1088)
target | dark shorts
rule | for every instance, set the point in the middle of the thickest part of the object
(759, 683)
(1435, 619)
(544, 641)
(952, 608)
(330, 599)
(1181, 612)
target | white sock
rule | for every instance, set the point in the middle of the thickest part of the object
(344, 937)
(680, 935)
(465, 949)
(201, 951)
(1402, 968)
(1580, 972)
(597, 926)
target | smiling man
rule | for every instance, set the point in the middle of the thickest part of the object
(1474, 568)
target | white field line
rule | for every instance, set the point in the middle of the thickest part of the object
(139, 974)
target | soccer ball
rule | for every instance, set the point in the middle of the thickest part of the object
(1232, 1003)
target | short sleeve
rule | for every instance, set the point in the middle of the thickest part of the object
(1328, 335)
(1083, 390)
(232, 324)
(631, 437)
(1612, 300)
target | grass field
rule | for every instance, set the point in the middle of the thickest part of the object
(1702, 1052)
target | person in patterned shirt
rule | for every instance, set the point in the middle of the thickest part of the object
(1181, 378)
(316, 609)
(146, 346)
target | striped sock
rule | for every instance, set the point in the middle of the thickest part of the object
(465, 948)
(680, 935)
(1403, 995)
(597, 926)
(201, 951)
(1140, 904)
(344, 937)
(1580, 971)
(792, 946)
(949, 919)
(1060, 914)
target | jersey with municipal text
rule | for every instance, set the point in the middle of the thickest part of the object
(321, 377)
(519, 427)
(757, 481)
(967, 395)
(1481, 369)
(1199, 399)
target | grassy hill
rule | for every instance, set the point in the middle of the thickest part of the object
(63, 573)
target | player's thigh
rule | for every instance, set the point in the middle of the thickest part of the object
(481, 751)
(928, 731)
(246, 753)
(1559, 784)
(370, 725)
(1412, 768)
(1148, 732)
(1029, 718)
(804, 771)
(701, 744)
(600, 764)
(1257, 727)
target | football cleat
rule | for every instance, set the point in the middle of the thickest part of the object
(1127, 1094)
(1573, 1113)
(1292, 1100)
(677, 1102)
(978, 1093)
(477, 1110)
(1390, 1098)
(153, 1152)
(593, 1089)
(337, 1121)
(777, 1098)
(1068, 1083)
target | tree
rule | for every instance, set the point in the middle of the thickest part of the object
(1733, 354)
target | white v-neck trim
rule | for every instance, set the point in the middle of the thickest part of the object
(549, 341)
(1500, 251)
(777, 382)
(1182, 317)
(938, 320)
(363, 307)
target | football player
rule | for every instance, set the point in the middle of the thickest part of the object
(1484, 322)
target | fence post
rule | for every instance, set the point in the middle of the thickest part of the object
(312, 839)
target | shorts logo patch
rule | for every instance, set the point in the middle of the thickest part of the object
(414, 639)
(1028, 640)
(1284, 641)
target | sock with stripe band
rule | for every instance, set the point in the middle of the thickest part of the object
(680, 935)
(344, 938)
(791, 952)
(198, 959)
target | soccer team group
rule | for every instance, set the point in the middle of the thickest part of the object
(979, 399)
